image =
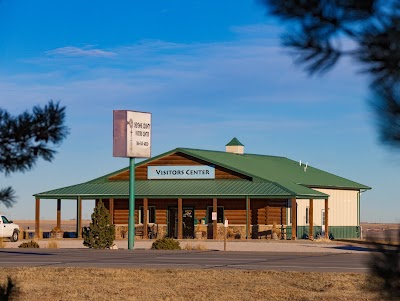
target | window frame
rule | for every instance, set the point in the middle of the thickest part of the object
(141, 215)
(307, 215)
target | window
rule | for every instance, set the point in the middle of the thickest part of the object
(5, 220)
(151, 214)
(220, 214)
(307, 215)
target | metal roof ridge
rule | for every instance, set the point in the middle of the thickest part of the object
(224, 152)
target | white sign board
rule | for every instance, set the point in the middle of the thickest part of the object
(226, 223)
(214, 216)
(131, 134)
(180, 172)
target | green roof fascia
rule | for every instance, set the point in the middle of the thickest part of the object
(364, 188)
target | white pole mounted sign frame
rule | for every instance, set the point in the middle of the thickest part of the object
(131, 134)
(131, 139)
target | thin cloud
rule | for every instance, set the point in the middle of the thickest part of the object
(264, 30)
(71, 51)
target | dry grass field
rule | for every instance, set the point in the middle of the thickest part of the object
(47, 225)
(172, 284)
(381, 232)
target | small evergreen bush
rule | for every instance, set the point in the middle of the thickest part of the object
(101, 233)
(9, 290)
(30, 244)
(166, 244)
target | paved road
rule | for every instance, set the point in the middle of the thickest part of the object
(306, 262)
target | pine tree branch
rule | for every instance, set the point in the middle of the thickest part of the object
(27, 137)
(7, 197)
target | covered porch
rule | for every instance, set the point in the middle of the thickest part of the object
(179, 207)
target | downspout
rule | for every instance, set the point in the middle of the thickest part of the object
(359, 210)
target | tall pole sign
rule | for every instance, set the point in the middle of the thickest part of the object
(131, 139)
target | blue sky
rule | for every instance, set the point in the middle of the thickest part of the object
(207, 71)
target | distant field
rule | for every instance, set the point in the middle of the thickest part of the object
(380, 226)
(381, 232)
(172, 284)
(47, 225)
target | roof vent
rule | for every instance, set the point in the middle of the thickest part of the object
(234, 146)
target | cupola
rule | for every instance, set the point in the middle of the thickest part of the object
(234, 146)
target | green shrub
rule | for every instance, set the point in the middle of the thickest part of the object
(101, 233)
(30, 244)
(166, 244)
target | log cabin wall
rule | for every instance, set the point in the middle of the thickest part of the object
(177, 159)
(121, 211)
(268, 212)
(234, 210)
(262, 211)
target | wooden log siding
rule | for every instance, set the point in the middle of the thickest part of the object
(268, 211)
(176, 159)
(199, 214)
(234, 210)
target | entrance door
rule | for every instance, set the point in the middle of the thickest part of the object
(187, 222)
(323, 222)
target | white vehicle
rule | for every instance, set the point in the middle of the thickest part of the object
(8, 229)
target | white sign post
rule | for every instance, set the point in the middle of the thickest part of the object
(225, 227)
(214, 216)
(131, 139)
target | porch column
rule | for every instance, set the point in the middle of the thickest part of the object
(59, 213)
(145, 209)
(37, 219)
(294, 220)
(311, 219)
(215, 225)
(180, 216)
(247, 217)
(79, 217)
(326, 219)
(111, 209)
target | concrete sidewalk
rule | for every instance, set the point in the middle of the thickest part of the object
(232, 245)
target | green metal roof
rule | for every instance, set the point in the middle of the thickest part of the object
(271, 176)
(281, 170)
(234, 142)
(175, 189)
